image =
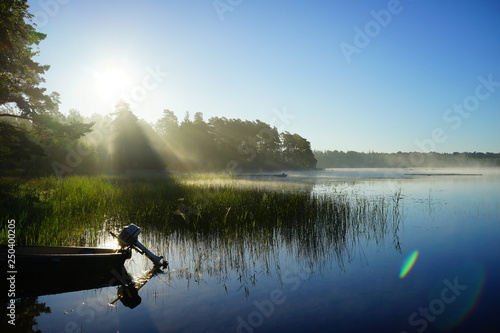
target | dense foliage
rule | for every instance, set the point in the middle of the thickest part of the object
(231, 145)
(30, 122)
(123, 143)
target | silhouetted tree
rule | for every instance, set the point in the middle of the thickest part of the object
(168, 125)
(132, 150)
(195, 144)
(268, 146)
(167, 128)
(297, 153)
(28, 113)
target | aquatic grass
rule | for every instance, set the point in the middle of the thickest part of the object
(242, 230)
(81, 210)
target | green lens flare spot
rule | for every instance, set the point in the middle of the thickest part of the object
(408, 264)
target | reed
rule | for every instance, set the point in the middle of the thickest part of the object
(80, 210)
(205, 225)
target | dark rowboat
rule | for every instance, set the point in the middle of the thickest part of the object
(281, 175)
(41, 270)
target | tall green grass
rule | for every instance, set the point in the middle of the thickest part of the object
(79, 210)
(54, 211)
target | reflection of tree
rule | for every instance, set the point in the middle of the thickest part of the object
(27, 309)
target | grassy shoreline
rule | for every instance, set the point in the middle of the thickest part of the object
(78, 210)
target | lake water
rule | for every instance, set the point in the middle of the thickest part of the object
(447, 222)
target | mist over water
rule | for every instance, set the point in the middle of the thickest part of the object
(339, 271)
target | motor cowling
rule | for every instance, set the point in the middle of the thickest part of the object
(129, 237)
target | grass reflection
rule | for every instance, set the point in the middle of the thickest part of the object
(204, 228)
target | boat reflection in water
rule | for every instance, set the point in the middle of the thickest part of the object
(128, 293)
(63, 281)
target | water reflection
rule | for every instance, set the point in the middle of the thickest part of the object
(128, 291)
(29, 308)
(317, 232)
(333, 235)
(223, 278)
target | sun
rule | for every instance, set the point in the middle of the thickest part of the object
(112, 82)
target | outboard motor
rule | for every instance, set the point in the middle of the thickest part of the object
(129, 238)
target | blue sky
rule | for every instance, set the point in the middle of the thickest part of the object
(380, 76)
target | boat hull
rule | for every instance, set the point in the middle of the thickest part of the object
(41, 270)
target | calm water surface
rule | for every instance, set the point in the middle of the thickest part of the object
(294, 284)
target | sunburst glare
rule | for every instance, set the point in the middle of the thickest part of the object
(112, 82)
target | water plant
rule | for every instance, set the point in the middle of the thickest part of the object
(76, 204)
(205, 226)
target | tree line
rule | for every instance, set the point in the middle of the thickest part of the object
(352, 159)
(193, 144)
(122, 143)
(232, 145)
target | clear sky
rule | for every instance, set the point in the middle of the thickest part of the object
(358, 75)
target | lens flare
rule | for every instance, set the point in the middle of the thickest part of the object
(408, 264)
(471, 275)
